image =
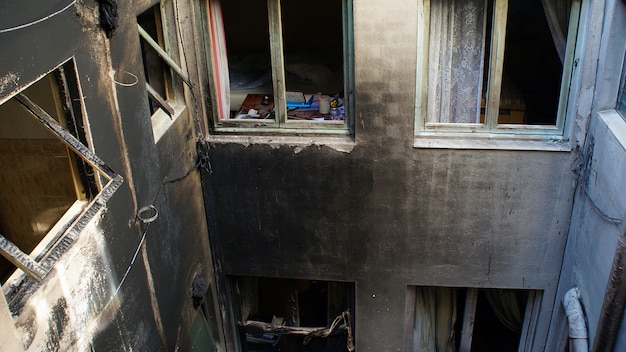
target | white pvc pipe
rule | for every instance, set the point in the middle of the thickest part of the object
(577, 329)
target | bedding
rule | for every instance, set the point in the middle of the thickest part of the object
(251, 74)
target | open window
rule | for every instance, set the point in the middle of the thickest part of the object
(281, 66)
(51, 184)
(494, 68)
(471, 319)
(294, 315)
(164, 77)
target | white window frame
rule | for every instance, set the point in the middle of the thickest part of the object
(171, 106)
(492, 135)
(40, 262)
(281, 124)
(529, 323)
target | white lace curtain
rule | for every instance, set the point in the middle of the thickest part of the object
(456, 52)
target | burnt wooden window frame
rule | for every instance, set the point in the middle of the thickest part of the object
(280, 124)
(491, 134)
(38, 265)
(172, 104)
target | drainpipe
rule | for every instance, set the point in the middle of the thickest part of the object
(614, 301)
(577, 330)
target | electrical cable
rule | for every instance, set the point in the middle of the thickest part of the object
(147, 220)
(21, 26)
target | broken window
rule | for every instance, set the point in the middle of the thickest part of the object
(294, 315)
(469, 319)
(51, 184)
(269, 71)
(495, 66)
(163, 75)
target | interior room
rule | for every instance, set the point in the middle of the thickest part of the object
(313, 55)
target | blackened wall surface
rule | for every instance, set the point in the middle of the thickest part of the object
(124, 285)
(384, 214)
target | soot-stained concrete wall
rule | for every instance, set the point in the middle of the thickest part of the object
(83, 304)
(599, 212)
(384, 214)
(597, 224)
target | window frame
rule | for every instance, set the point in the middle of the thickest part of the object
(173, 104)
(529, 321)
(490, 134)
(40, 261)
(281, 124)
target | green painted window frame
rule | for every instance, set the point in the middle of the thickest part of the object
(490, 134)
(281, 124)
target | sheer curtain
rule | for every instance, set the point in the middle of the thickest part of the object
(506, 305)
(456, 60)
(435, 315)
(557, 14)
(219, 58)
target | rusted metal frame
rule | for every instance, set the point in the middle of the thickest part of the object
(38, 270)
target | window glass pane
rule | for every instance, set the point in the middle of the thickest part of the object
(246, 31)
(455, 56)
(533, 62)
(313, 50)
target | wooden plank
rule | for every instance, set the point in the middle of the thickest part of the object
(160, 100)
(496, 62)
(409, 318)
(278, 60)
(469, 316)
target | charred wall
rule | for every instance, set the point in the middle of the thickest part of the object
(124, 284)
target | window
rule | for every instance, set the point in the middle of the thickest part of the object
(471, 319)
(277, 66)
(278, 314)
(163, 75)
(51, 184)
(494, 68)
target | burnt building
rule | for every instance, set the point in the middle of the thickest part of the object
(213, 175)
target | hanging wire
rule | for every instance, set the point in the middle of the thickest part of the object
(134, 82)
(147, 215)
(11, 29)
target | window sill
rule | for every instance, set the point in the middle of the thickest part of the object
(161, 121)
(340, 143)
(491, 142)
